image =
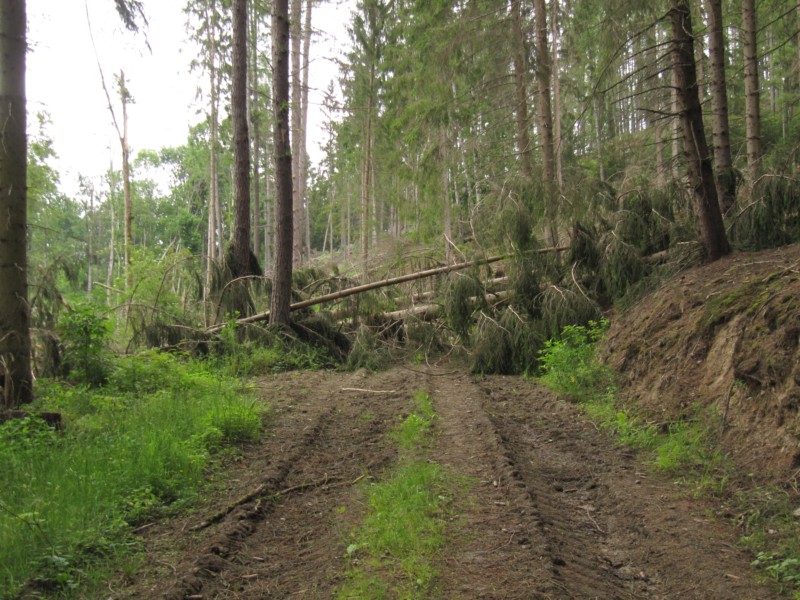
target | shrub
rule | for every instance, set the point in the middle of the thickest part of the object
(569, 365)
(84, 332)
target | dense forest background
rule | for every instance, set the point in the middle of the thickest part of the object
(463, 129)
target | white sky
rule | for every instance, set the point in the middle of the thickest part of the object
(63, 78)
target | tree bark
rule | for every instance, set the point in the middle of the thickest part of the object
(543, 78)
(126, 185)
(752, 94)
(366, 161)
(303, 158)
(16, 382)
(521, 91)
(213, 180)
(726, 179)
(241, 143)
(698, 158)
(557, 150)
(253, 113)
(297, 123)
(282, 276)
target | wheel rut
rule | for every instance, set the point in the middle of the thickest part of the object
(610, 527)
(545, 506)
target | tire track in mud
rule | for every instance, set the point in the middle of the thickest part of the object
(545, 506)
(243, 521)
(496, 548)
(611, 529)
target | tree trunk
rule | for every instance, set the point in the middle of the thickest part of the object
(752, 94)
(282, 277)
(255, 126)
(126, 185)
(598, 137)
(112, 190)
(365, 177)
(557, 150)
(303, 158)
(726, 179)
(521, 91)
(213, 186)
(297, 124)
(543, 75)
(90, 243)
(16, 382)
(241, 143)
(447, 221)
(698, 158)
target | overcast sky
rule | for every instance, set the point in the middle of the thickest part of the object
(63, 78)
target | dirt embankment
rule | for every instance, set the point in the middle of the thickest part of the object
(724, 336)
(551, 508)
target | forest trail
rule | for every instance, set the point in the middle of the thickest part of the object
(552, 507)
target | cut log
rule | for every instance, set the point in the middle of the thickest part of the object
(428, 312)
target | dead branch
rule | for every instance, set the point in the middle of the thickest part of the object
(259, 492)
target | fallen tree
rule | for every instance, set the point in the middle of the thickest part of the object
(264, 316)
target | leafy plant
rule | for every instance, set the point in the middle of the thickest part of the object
(84, 333)
(569, 364)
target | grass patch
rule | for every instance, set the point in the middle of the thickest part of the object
(392, 553)
(134, 449)
(771, 533)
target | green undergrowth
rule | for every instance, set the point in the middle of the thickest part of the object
(392, 554)
(252, 352)
(767, 517)
(134, 449)
(687, 450)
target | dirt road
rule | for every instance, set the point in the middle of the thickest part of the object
(554, 510)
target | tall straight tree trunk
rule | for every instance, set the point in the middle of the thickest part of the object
(726, 179)
(90, 244)
(16, 381)
(752, 94)
(543, 78)
(696, 152)
(303, 158)
(521, 91)
(255, 127)
(112, 190)
(282, 276)
(446, 218)
(366, 161)
(213, 179)
(241, 143)
(556, 96)
(598, 137)
(297, 123)
(126, 185)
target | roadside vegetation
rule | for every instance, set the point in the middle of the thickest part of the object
(138, 437)
(686, 450)
(392, 553)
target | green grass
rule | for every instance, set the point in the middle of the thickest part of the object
(392, 553)
(132, 450)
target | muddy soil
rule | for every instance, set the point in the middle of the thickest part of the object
(552, 508)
